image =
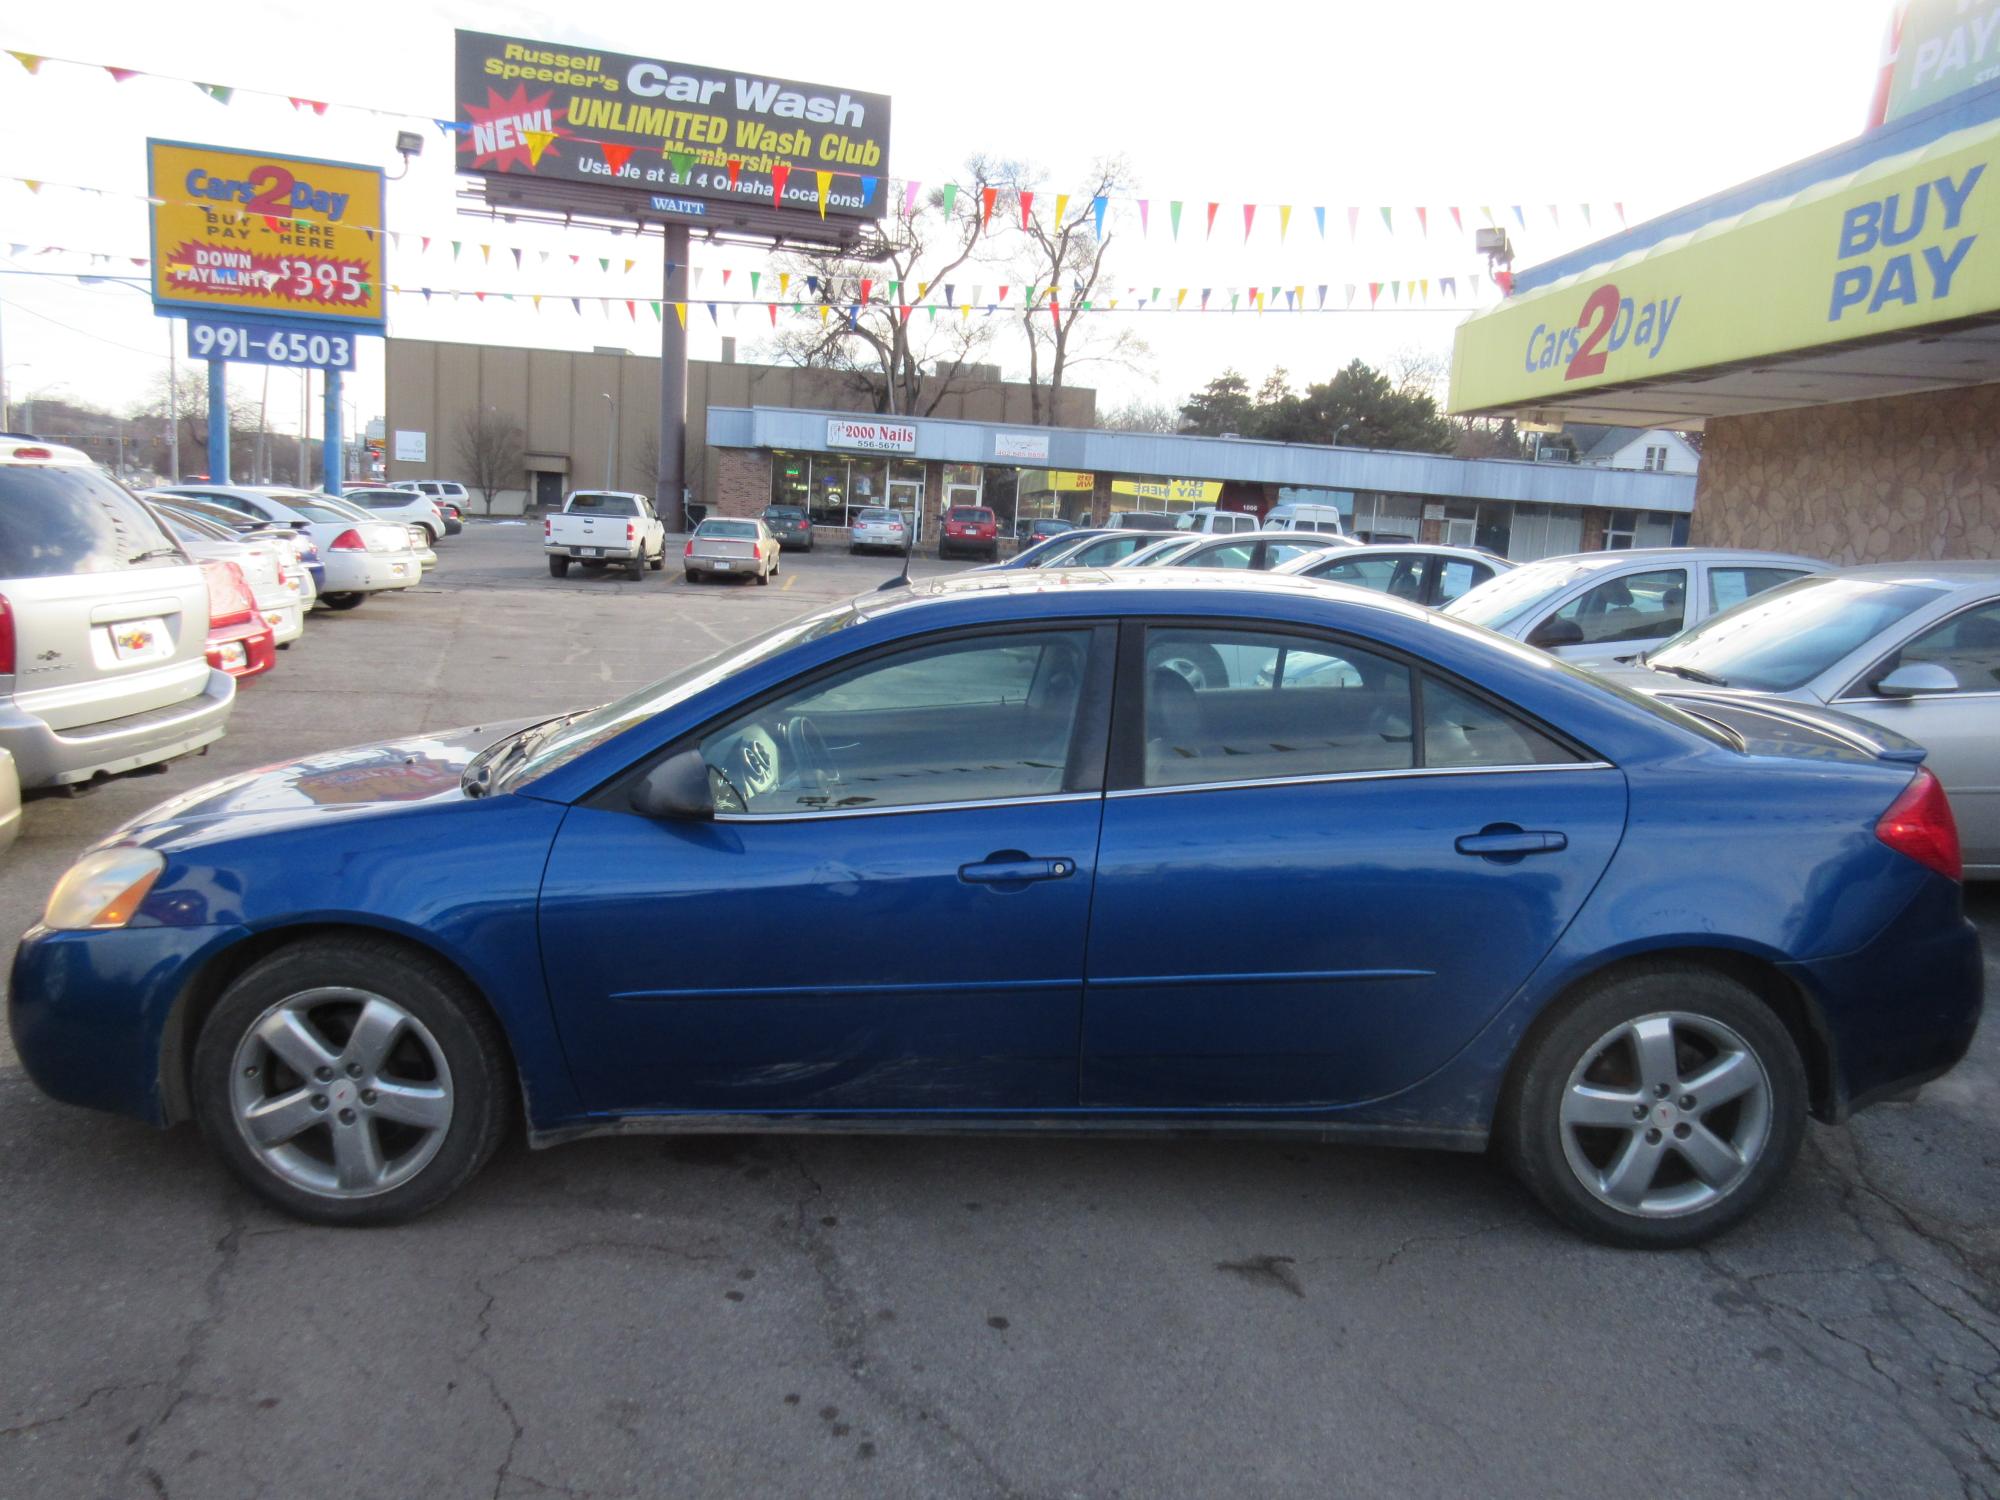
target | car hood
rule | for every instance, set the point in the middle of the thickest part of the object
(359, 781)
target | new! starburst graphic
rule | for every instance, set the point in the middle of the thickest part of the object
(514, 132)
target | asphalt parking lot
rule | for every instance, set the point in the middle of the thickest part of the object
(936, 1317)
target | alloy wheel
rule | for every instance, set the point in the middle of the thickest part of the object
(341, 1092)
(1666, 1114)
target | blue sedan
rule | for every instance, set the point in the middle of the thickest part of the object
(1296, 858)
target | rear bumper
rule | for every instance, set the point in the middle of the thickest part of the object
(372, 572)
(245, 650)
(614, 554)
(51, 757)
(1902, 1010)
(286, 617)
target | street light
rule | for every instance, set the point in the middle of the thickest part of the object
(611, 447)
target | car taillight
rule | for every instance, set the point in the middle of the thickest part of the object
(1919, 823)
(6, 636)
(757, 551)
(349, 541)
(548, 528)
(229, 599)
(631, 532)
(688, 550)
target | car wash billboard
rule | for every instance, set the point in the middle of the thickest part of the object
(570, 114)
(1934, 49)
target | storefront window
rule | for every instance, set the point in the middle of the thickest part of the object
(909, 469)
(1496, 526)
(789, 484)
(829, 491)
(868, 479)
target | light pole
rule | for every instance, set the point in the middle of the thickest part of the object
(611, 446)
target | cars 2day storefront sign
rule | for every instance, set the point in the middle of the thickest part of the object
(1908, 242)
(874, 437)
(569, 114)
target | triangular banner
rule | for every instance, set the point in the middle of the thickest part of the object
(1097, 206)
(1249, 218)
(825, 180)
(1211, 218)
(1284, 221)
(1145, 216)
(1174, 213)
(780, 174)
(1027, 206)
(538, 142)
(1062, 208)
(950, 198)
(986, 199)
(615, 156)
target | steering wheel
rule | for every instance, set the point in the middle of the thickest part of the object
(810, 750)
(753, 762)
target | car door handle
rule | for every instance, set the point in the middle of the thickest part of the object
(1015, 869)
(1503, 842)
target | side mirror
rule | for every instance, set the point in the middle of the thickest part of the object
(676, 788)
(1916, 678)
(1556, 631)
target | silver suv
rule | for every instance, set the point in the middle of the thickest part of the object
(103, 625)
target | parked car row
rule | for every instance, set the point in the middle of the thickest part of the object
(128, 619)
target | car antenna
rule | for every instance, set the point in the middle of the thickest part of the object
(902, 579)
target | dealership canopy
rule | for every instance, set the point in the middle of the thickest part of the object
(1872, 269)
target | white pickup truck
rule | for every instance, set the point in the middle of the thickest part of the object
(600, 528)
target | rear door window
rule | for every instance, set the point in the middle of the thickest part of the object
(64, 518)
(1733, 584)
(1457, 576)
(1632, 607)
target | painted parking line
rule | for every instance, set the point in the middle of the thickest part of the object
(790, 579)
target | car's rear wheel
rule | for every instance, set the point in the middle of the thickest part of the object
(558, 567)
(342, 601)
(352, 1081)
(1661, 1107)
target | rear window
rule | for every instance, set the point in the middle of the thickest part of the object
(875, 513)
(743, 529)
(605, 505)
(783, 513)
(64, 519)
(969, 513)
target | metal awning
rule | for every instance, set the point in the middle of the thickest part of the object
(1880, 280)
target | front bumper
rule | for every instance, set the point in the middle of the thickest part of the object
(88, 1011)
(1902, 1010)
(57, 757)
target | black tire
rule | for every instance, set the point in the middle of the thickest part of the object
(558, 567)
(482, 1074)
(764, 579)
(694, 575)
(659, 558)
(1531, 1136)
(342, 601)
(637, 567)
(852, 549)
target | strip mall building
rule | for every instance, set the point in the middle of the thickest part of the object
(763, 434)
(1832, 328)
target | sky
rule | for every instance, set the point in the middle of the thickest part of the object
(1539, 103)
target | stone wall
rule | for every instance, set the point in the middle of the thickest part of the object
(1868, 481)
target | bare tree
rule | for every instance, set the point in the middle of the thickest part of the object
(1062, 259)
(190, 404)
(490, 451)
(1142, 416)
(1415, 370)
(900, 349)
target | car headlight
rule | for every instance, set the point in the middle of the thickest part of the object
(103, 889)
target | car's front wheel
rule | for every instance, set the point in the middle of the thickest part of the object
(352, 1080)
(1660, 1107)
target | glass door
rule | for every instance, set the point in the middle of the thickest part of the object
(907, 497)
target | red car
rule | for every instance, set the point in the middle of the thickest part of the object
(970, 529)
(239, 642)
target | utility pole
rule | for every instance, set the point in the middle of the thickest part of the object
(611, 446)
(173, 409)
(305, 423)
(261, 468)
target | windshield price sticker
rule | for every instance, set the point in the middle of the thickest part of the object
(255, 341)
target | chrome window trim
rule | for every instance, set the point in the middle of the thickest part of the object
(1955, 696)
(814, 814)
(1331, 776)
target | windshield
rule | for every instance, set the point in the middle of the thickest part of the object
(603, 505)
(322, 508)
(559, 741)
(1044, 551)
(65, 518)
(1784, 638)
(1501, 600)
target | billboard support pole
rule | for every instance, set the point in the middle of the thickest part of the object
(672, 478)
(218, 421)
(330, 439)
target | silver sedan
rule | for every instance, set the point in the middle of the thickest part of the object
(1913, 647)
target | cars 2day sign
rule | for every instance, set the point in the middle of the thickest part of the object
(255, 232)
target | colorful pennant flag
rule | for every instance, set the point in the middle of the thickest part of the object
(1097, 206)
(825, 180)
(1249, 218)
(615, 156)
(1027, 205)
(538, 143)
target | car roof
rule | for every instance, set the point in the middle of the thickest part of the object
(1953, 573)
(1136, 589)
(1425, 549)
(1598, 561)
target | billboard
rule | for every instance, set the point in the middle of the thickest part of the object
(697, 135)
(1901, 244)
(1934, 49)
(251, 232)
